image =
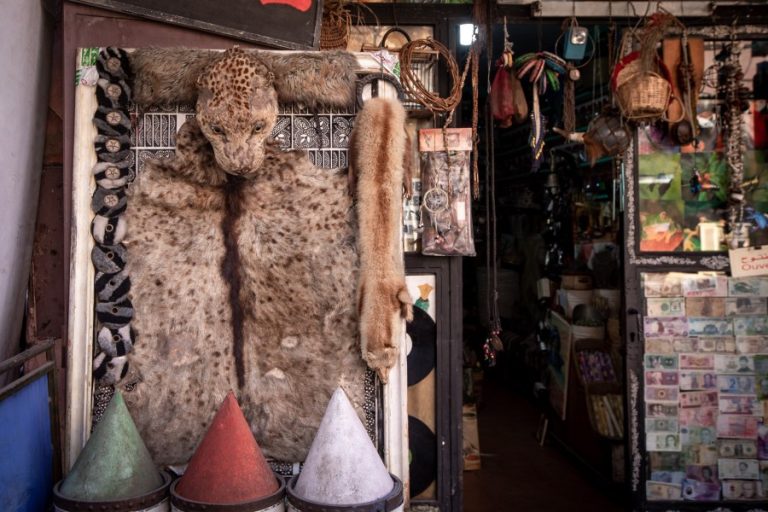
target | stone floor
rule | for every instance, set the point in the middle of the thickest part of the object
(517, 474)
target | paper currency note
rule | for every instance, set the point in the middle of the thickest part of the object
(695, 285)
(663, 327)
(700, 491)
(661, 378)
(737, 448)
(702, 454)
(709, 398)
(762, 441)
(661, 410)
(761, 382)
(740, 404)
(665, 307)
(662, 394)
(662, 425)
(712, 344)
(698, 416)
(661, 491)
(696, 435)
(747, 287)
(744, 306)
(662, 442)
(752, 344)
(764, 477)
(684, 344)
(668, 477)
(736, 384)
(657, 284)
(660, 362)
(741, 469)
(750, 325)
(666, 461)
(693, 380)
(737, 426)
(699, 473)
(659, 346)
(726, 363)
(741, 490)
(703, 326)
(705, 306)
(691, 398)
(697, 361)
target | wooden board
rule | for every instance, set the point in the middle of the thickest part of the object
(291, 24)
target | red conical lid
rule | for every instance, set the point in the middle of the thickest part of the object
(228, 466)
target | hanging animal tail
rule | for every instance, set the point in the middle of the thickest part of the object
(378, 153)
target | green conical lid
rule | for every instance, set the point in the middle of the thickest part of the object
(114, 464)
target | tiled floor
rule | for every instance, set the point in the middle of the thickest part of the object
(518, 475)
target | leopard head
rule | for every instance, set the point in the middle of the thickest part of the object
(236, 110)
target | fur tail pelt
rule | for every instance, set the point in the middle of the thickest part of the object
(383, 300)
(169, 75)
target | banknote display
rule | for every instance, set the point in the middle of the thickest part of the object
(747, 287)
(699, 473)
(657, 284)
(695, 490)
(696, 435)
(661, 410)
(660, 491)
(698, 417)
(740, 404)
(752, 344)
(745, 306)
(701, 454)
(664, 327)
(750, 325)
(737, 426)
(694, 380)
(737, 448)
(705, 306)
(666, 461)
(697, 361)
(726, 363)
(741, 490)
(712, 344)
(736, 384)
(703, 326)
(666, 306)
(704, 286)
(738, 469)
(661, 378)
(662, 425)
(661, 362)
(691, 398)
(662, 394)
(662, 442)
(668, 477)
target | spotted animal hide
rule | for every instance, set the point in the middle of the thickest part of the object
(274, 256)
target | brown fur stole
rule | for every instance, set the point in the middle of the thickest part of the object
(169, 75)
(383, 301)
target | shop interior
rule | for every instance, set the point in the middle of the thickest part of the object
(567, 198)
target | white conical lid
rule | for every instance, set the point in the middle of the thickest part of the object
(343, 466)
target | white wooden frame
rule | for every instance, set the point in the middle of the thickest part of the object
(81, 306)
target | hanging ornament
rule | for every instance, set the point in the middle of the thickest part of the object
(543, 70)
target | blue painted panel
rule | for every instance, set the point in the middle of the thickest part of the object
(26, 450)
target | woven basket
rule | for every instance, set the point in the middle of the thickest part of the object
(335, 29)
(644, 96)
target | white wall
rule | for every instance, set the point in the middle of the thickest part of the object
(25, 61)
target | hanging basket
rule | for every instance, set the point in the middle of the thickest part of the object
(642, 95)
(335, 27)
